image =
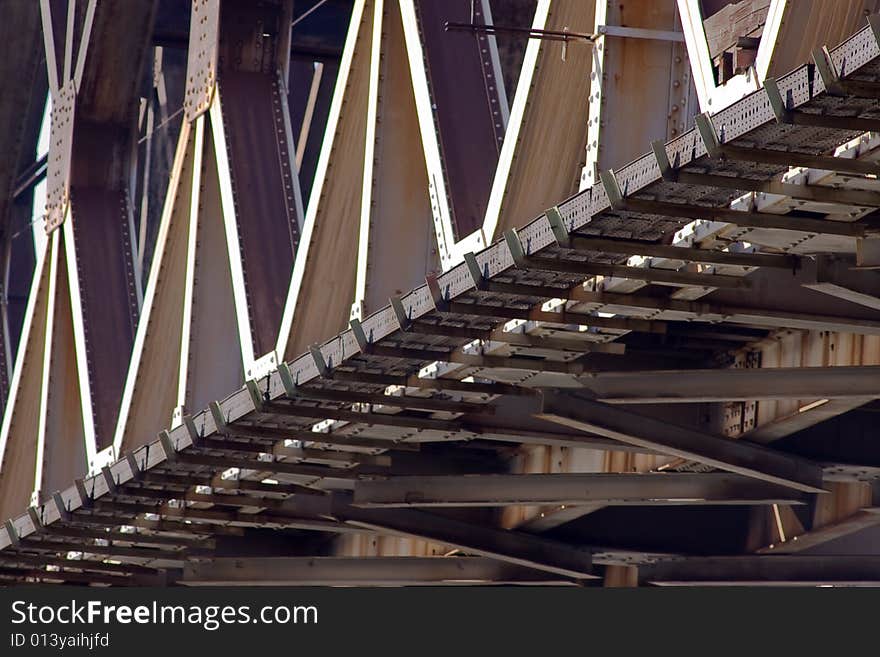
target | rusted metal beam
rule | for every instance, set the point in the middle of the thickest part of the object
(509, 546)
(361, 571)
(732, 384)
(606, 489)
(732, 455)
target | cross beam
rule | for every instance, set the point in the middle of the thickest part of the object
(361, 571)
(690, 386)
(604, 489)
(838, 278)
(731, 455)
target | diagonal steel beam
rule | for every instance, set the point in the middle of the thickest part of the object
(623, 203)
(509, 546)
(734, 456)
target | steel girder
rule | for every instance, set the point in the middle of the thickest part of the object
(553, 306)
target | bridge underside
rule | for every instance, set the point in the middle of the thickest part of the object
(668, 377)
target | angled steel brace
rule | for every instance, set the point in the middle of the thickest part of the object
(510, 546)
(605, 489)
(732, 455)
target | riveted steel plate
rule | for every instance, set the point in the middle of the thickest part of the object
(60, 148)
(201, 68)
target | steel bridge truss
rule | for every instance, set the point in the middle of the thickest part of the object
(655, 343)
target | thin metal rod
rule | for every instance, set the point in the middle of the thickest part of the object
(31, 177)
(306, 13)
(549, 35)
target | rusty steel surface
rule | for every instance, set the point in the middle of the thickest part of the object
(466, 110)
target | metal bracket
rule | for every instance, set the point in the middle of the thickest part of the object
(437, 296)
(109, 480)
(63, 513)
(194, 435)
(612, 189)
(667, 172)
(255, 393)
(514, 245)
(12, 533)
(706, 128)
(262, 366)
(217, 415)
(868, 253)
(84, 497)
(473, 267)
(167, 445)
(133, 465)
(360, 336)
(557, 225)
(321, 365)
(825, 68)
(36, 519)
(778, 104)
(287, 381)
